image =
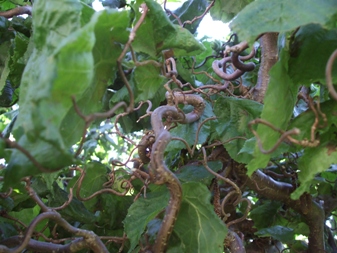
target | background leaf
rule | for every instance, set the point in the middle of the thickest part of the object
(233, 116)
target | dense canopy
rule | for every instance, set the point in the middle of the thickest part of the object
(123, 132)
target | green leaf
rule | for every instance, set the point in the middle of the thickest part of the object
(316, 160)
(188, 11)
(280, 16)
(141, 212)
(280, 233)
(6, 5)
(225, 10)
(7, 228)
(4, 62)
(233, 116)
(267, 209)
(158, 33)
(310, 51)
(113, 210)
(182, 42)
(75, 211)
(95, 177)
(278, 107)
(198, 213)
(305, 120)
(188, 131)
(22, 25)
(2, 148)
(18, 60)
(6, 204)
(26, 215)
(198, 173)
(149, 82)
(83, 57)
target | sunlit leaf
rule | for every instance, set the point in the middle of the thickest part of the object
(280, 16)
(84, 58)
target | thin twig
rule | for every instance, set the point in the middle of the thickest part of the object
(198, 131)
(171, 13)
(122, 55)
(80, 182)
(204, 162)
(284, 136)
(88, 119)
(328, 74)
(189, 22)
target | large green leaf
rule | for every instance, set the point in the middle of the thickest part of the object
(278, 107)
(198, 213)
(67, 61)
(310, 51)
(233, 116)
(279, 16)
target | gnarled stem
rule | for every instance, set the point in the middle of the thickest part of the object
(269, 56)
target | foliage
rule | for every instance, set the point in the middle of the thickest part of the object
(82, 91)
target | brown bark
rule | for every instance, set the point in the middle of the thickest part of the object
(17, 11)
(269, 56)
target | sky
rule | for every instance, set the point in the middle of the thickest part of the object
(207, 27)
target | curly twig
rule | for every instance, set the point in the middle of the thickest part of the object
(284, 136)
(226, 180)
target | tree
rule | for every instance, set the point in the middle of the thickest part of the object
(121, 132)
